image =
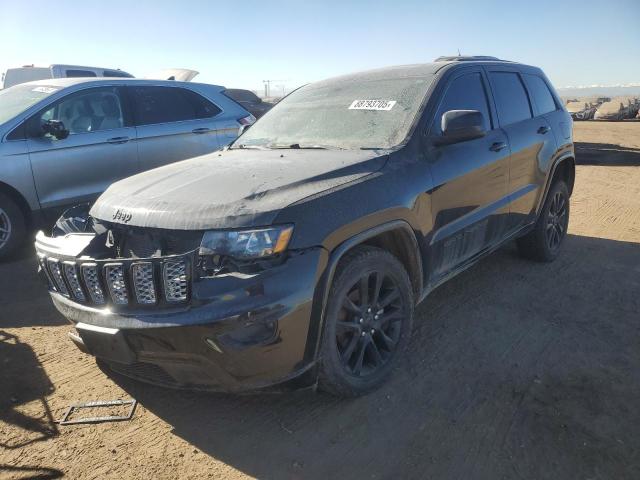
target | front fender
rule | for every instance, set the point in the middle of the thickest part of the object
(323, 286)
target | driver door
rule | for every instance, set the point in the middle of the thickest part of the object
(99, 150)
(469, 201)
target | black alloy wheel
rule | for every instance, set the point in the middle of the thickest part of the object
(544, 241)
(556, 221)
(367, 324)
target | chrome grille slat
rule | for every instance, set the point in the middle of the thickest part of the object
(115, 278)
(43, 265)
(174, 275)
(143, 283)
(71, 274)
(92, 282)
(56, 272)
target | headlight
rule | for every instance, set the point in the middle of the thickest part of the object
(246, 244)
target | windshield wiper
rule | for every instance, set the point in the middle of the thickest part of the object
(297, 146)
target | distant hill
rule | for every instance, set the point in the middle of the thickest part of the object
(631, 90)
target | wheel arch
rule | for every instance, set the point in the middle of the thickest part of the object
(564, 168)
(19, 199)
(398, 238)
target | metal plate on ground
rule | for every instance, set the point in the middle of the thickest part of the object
(108, 418)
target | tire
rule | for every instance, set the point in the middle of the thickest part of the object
(544, 242)
(363, 338)
(12, 226)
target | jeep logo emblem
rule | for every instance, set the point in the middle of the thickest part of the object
(122, 216)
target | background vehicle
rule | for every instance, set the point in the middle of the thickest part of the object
(619, 108)
(581, 110)
(64, 141)
(249, 100)
(30, 73)
(178, 74)
(299, 257)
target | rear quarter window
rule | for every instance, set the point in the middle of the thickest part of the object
(541, 94)
(116, 74)
(80, 73)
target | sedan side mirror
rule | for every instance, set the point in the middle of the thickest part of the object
(461, 125)
(56, 129)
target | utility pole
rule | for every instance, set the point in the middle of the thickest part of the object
(267, 86)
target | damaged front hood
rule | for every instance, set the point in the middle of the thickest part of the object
(229, 189)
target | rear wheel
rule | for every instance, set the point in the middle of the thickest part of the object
(543, 243)
(368, 322)
(12, 226)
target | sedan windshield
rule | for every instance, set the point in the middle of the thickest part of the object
(15, 100)
(343, 114)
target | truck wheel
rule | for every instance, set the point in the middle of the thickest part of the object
(543, 243)
(368, 322)
(12, 226)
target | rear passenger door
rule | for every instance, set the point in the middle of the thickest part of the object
(530, 138)
(470, 200)
(172, 123)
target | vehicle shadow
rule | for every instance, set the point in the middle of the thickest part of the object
(24, 301)
(23, 381)
(511, 373)
(608, 154)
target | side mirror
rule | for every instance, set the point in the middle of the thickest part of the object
(461, 125)
(55, 128)
(243, 129)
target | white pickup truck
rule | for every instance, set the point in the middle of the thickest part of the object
(29, 73)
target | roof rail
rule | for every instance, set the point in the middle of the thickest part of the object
(467, 58)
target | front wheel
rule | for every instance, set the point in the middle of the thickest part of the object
(12, 226)
(368, 322)
(543, 243)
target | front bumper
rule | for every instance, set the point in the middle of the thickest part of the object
(235, 332)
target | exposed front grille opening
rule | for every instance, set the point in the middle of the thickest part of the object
(124, 283)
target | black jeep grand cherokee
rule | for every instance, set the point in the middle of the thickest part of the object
(296, 257)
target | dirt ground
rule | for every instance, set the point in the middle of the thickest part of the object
(516, 370)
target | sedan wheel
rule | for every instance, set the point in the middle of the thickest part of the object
(5, 228)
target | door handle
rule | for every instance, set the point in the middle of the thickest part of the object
(544, 129)
(118, 140)
(200, 130)
(497, 146)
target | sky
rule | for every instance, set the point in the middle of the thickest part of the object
(241, 43)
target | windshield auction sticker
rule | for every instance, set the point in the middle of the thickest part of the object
(45, 89)
(372, 105)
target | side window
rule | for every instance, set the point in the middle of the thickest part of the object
(203, 107)
(88, 111)
(464, 93)
(511, 98)
(80, 73)
(542, 97)
(242, 96)
(154, 105)
(18, 133)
